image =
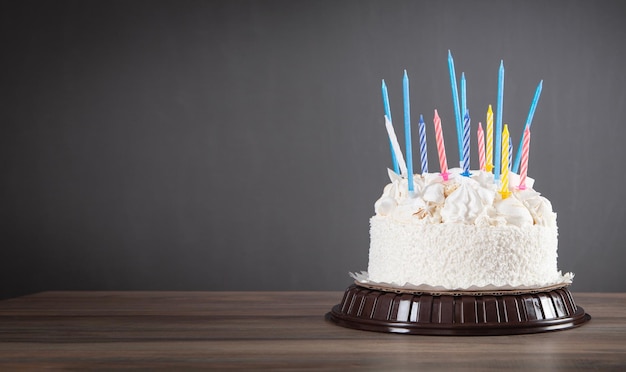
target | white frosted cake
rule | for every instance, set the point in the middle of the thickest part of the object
(461, 251)
(461, 234)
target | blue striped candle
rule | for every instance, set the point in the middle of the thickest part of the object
(388, 114)
(529, 121)
(466, 145)
(407, 129)
(498, 150)
(423, 147)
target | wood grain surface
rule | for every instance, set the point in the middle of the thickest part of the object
(275, 331)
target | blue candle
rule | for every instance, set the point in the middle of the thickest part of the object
(423, 148)
(498, 150)
(388, 114)
(455, 101)
(466, 145)
(529, 121)
(407, 130)
(463, 93)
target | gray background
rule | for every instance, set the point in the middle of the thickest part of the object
(239, 145)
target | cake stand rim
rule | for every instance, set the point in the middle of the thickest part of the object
(338, 316)
(460, 292)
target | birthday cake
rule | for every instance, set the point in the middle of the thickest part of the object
(461, 251)
(463, 229)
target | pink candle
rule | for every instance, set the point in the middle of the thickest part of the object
(524, 165)
(441, 148)
(481, 147)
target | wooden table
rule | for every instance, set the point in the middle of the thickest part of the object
(275, 331)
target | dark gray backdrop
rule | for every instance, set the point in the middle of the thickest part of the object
(239, 145)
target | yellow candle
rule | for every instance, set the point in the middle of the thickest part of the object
(504, 172)
(489, 160)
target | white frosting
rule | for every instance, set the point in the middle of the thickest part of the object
(466, 203)
(473, 200)
(462, 233)
(514, 212)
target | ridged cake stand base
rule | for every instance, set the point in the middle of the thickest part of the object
(465, 314)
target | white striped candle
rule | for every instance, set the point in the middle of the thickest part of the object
(394, 161)
(396, 146)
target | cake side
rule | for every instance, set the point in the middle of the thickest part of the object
(457, 256)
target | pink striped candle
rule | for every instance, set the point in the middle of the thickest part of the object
(524, 164)
(481, 148)
(441, 148)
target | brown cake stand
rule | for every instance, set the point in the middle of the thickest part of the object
(457, 313)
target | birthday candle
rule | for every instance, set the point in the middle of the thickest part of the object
(481, 147)
(463, 93)
(529, 120)
(441, 148)
(524, 166)
(466, 144)
(388, 114)
(455, 101)
(395, 145)
(510, 152)
(489, 158)
(423, 149)
(504, 190)
(407, 129)
(499, 142)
